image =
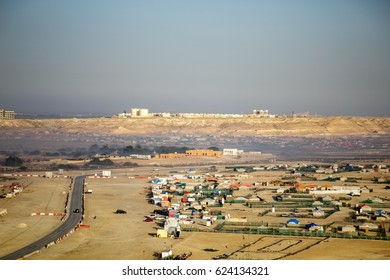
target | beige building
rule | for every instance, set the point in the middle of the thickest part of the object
(7, 115)
(139, 112)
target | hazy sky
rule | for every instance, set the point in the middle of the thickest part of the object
(326, 57)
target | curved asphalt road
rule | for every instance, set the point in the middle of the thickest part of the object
(69, 224)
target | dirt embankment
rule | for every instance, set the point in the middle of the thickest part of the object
(286, 126)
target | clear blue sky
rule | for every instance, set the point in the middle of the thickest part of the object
(329, 57)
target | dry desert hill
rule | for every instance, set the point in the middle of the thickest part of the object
(247, 126)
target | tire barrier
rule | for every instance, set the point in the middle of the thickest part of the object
(58, 240)
(32, 253)
(101, 177)
(33, 175)
(64, 217)
(47, 214)
(67, 200)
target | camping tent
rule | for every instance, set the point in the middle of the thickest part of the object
(293, 221)
(307, 226)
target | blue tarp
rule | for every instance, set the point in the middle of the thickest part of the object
(295, 221)
(380, 212)
(311, 225)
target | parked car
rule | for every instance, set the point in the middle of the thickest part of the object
(151, 216)
(164, 212)
(120, 211)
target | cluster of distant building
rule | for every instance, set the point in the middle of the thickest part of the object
(6, 114)
(144, 113)
(204, 153)
(187, 153)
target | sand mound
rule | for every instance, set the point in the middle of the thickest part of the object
(21, 225)
(120, 131)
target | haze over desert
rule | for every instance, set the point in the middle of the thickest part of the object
(104, 235)
(194, 139)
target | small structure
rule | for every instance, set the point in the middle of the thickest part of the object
(237, 220)
(281, 190)
(252, 198)
(318, 212)
(300, 188)
(231, 152)
(368, 226)
(166, 254)
(293, 222)
(3, 212)
(156, 200)
(314, 227)
(362, 217)
(364, 208)
(165, 203)
(327, 198)
(348, 228)
(161, 233)
(207, 202)
(317, 203)
(377, 200)
(241, 198)
(6, 114)
(139, 112)
(380, 215)
(364, 190)
(172, 227)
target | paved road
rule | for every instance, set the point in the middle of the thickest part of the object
(70, 223)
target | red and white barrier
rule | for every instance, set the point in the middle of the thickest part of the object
(47, 214)
(34, 175)
(101, 177)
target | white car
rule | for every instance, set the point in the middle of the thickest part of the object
(152, 216)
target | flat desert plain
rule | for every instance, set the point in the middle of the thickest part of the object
(109, 236)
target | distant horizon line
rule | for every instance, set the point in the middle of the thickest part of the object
(29, 115)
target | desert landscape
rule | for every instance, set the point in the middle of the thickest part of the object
(194, 139)
(281, 126)
(105, 235)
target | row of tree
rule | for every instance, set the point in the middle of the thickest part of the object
(103, 150)
(14, 161)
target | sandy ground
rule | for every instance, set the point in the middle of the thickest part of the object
(109, 236)
(18, 228)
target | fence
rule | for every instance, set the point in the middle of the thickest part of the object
(281, 232)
